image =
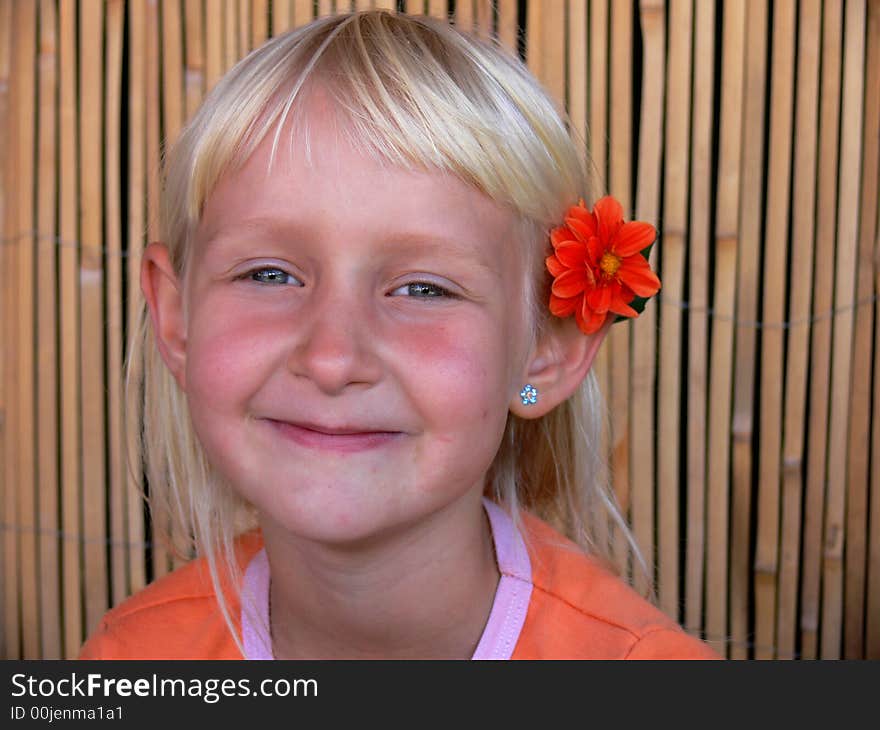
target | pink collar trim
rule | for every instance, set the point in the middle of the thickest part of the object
(506, 618)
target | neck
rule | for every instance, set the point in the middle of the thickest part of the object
(422, 593)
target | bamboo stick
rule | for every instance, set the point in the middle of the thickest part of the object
(726, 242)
(10, 630)
(302, 11)
(549, 21)
(414, 7)
(71, 459)
(620, 185)
(750, 237)
(775, 262)
(136, 229)
(698, 274)
(872, 629)
(820, 340)
(576, 90)
(230, 34)
(6, 589)
(644, 351)
(243, 26)
(113, 228)
(464, 15)
(259, 22)
(802, 237)
(438, 9)
(91, 326)
(485, 14)
(24, 104)
(47, 331)
(194, 76)
(847, 234)
(675, 184)
(508, 28)
(214, 37)
(325, 7)
(282, 17)
(160, 556)
(860, 395)
(598, 95)
(386, 5)
(534, 38)
(172, 71)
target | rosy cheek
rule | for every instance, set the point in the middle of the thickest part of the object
(457, 368)
(221, 354)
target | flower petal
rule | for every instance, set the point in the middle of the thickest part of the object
(570, 283)
(599, 298)
(595, 251)
(563, 307)
(560, 235)
(554, 266)
(637, 275)
(609, 217)
(633, 237)
(582, 231)
(581, 212)
(572, 254)
(620, 299)
(587, 320)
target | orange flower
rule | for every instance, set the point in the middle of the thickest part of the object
(597, 265)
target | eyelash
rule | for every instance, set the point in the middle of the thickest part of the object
(439, 292)
(253, 273)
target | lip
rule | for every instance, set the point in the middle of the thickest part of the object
(340, 439)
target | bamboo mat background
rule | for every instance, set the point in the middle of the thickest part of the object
(745, 437)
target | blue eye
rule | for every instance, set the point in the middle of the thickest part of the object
(271, 275)
(421, 290)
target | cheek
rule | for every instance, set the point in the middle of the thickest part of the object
(225, 351)
(462, 377)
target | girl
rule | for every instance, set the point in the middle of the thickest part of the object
(348, 350)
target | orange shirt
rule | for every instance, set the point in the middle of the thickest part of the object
(576, 610)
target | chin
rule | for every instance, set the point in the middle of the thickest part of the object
(337, 525)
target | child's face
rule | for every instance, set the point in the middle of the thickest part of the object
(354, 337)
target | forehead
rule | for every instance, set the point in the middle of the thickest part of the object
(313, 176)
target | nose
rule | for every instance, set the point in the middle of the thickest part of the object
(335, 348)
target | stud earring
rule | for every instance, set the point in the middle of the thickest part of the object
(529, 395)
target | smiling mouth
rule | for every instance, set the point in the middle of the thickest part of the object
(344, 440)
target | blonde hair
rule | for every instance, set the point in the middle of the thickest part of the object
(418, 94)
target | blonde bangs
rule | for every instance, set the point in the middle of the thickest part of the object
(412, 92)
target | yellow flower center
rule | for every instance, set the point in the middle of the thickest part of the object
(609, 264)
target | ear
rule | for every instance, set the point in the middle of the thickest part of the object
(162, 290)
(559, 364)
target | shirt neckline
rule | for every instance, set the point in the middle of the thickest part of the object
(502, 629)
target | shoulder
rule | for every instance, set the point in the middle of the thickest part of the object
(175, 617)
(580, 610)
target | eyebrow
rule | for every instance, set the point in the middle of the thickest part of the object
(406, 241)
